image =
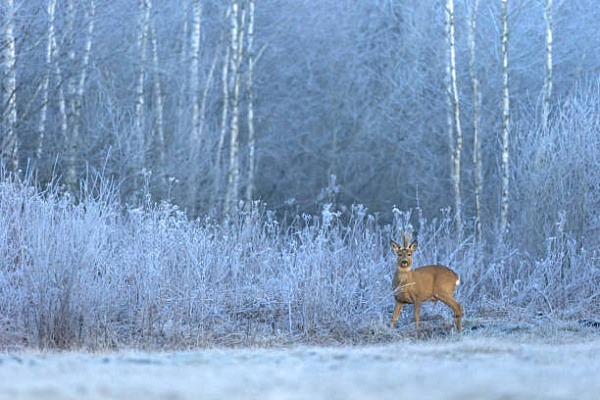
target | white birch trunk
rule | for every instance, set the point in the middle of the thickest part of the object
(477, 162)
(195, 78)
(72, 137)
(224, 120)
(237, 44)
(10, 143)
(203, 102)
(90, 15)
(548, 74)
(69, 43)
(142, 43)
(51, 10)
(158, 131)
(206, 90)
(52, 51)
(505, 190)
(456, 133)
(62, 103)
(182, 102)
(250, 95)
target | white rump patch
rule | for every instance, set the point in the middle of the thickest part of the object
(458, 282)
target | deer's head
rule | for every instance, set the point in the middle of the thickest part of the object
(404, 252)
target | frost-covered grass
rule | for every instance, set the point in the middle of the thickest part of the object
(94, 273)
(475, 365)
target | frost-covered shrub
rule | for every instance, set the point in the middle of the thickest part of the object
(91, 272)
(557, 179)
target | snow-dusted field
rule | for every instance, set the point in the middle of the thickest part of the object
(455, 368)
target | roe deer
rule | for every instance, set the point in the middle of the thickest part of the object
(429, 283)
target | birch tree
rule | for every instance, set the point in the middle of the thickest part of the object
(158, 128)
(250, 96)
(50, 51)
(182, 100)
(195, 77)
(477, 162)
(548, 72)
(71, 152)
(224, 117)
(76, 85)
(144, 7)
(90, 14)
(238, 19)
(10, 143)
(199, 102)
(505, 170)
(60, 95)
(454, 125)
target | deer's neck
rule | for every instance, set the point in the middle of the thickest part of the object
(404, 275)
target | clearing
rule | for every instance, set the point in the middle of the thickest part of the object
(471, 366)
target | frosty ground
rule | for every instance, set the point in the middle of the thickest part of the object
(473, 365)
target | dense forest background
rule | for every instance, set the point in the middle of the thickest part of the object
(476, 123)
(205, 103)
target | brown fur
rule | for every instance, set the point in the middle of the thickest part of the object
(429, 283)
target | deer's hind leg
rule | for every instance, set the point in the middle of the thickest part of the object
(456, 309)
(417, 305)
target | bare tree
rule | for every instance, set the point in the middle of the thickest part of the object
(338, 80)
(61, 99)
(238, 21)
(250, 96)
(199, 102)
(195, 77)
(183, 48)
(477, 162)
(224, 118)
(10, 142)
(548, 74)
(454, 126)
(76, 86)
(158, 128)
(90, 14)
(143, 31)
(50, 51)
(504, 196)
(71, 150)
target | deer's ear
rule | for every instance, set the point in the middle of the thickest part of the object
(395, 246)
(414, 246)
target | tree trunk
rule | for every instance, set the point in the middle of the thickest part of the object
(62, 103)
(76, 90)
(548, 74)
(504, 201)
(202, 123)
(87, 51)
(477, 162)
(237, 47)
(183, 101)
(51, 10)
(158, 129)
(195, 78)
(455, 132)
(144, 7)
(218, 178)
(250, 95)
(72, 142)
(10, 143)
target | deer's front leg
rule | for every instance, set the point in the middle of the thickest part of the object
(397, 310)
